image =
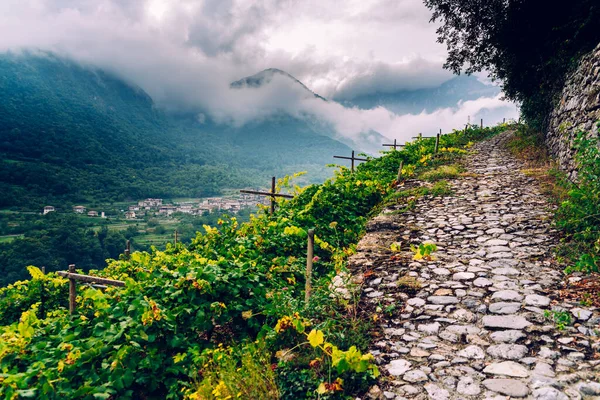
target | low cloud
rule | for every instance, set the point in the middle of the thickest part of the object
(351, 121)
(239, 106)
(185, 53)
(380, 77)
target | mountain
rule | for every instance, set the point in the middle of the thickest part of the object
(447, 95)
(75, 134)
(368, 142)
(265, 77)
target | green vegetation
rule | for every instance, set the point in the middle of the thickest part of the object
(423, 251)
(578, 204)
(561, 319)
(56, 240)
(579, 215)
(530, 52)
(188, 314)
(441, 172)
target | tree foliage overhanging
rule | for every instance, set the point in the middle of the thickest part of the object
(528, 45)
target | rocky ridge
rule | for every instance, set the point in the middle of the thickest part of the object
(476, 322)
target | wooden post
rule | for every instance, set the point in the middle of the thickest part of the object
(353, 159)
(437, 143)
(466, 126)
(90, 279)
(43, 295)
(503, 120)
(176, 237)
(395, 145)
(481, 123)
(400, 171)
(127, 250)
(310, 251)
(420, 136)
(72, 290)
(271, 194)
(272, 197)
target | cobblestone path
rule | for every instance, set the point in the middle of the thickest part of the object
(478, 326)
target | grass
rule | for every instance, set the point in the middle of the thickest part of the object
(154, 239)
(10, 238)
(442, 172)
(528, 145)
(409, 197)
(409, 284)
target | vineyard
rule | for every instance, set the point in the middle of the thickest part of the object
(223, 316)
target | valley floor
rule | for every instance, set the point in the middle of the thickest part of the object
(484, 319)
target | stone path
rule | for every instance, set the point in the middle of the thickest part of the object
(478, 325)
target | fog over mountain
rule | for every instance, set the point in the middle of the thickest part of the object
(186, 53)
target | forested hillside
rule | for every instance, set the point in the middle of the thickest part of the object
(71, 134)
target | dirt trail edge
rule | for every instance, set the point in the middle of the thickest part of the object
(479, 322)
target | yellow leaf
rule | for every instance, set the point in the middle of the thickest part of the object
(35, 272)
(322, 389)
(316, 338)
(247, 314)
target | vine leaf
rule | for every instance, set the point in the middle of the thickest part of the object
(315, 338)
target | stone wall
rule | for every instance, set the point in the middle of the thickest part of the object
(579, 109)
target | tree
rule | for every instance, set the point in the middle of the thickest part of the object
(527, 45)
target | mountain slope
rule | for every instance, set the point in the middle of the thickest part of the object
(75, 134)
(265, 77)
(369, 142)
(447, 95)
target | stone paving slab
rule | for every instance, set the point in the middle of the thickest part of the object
(476, 328)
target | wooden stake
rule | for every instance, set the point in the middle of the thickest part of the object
(503, 120)
(42, 296)
(310, 251)
(400, 171)
(352, 159)
(437, 143)
(127, 250)
(481, 123)
(271, 194)
(176, 237)
(395, 145)
(272, 197)
(72, 290)
(90, 279)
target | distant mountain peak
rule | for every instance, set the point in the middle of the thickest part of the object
(265, 77)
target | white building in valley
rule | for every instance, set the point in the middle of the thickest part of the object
(48, 209)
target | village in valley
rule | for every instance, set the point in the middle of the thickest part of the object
(160, 208)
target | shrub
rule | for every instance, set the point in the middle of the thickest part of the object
(579, 215)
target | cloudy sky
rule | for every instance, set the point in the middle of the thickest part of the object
(185, 53)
